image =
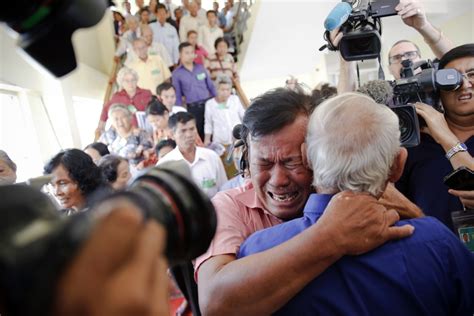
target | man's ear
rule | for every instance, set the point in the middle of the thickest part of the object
(398, 165)
(304, 156)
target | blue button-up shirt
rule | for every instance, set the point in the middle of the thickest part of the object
(195, 85)
(168, 36)
(429, 273)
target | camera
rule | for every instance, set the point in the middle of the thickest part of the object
(422, 87)
(36, 243)
(45, 28)
(361, 27)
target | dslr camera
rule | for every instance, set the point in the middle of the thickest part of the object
(421, 87)
(37, 243)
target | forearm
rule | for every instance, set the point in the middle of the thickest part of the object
(437, 41)
(261, 284)
(347, 76)
(459, 159)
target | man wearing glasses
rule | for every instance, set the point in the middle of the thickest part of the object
(447, 143)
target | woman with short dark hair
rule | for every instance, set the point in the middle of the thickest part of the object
(116, 171)
(75, 179)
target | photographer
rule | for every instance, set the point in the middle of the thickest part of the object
(412, 14)
(443, 144)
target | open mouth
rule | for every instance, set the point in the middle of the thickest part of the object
(465, 96)
(286, 197)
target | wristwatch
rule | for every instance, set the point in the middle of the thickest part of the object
(456, 148)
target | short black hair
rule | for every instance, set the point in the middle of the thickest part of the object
(325, 92)
(161, 6)
(165, 86)
(211, 11)
(109, 166)
(155, 107)
(164, 143)
(191, 32)
(180, 117)
(100, 147)
(143, 10)
(80, 168)
(184, 45)
(221, 39)
(466, 50)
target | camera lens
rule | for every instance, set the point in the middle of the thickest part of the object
(179, 205)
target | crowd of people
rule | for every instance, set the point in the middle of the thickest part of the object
(327, 213)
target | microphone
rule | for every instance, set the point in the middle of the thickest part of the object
(239, 142)
(337, 16)
(379, 90)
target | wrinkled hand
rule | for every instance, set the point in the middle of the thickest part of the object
(358, 223)
(437, 127)
(466, 197)
(120, 269)
(394, 199)
(412, 13)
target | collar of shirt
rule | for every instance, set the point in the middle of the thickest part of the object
(316, 205)
(176, 154)
(249, 197)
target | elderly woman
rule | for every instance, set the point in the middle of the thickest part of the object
(122, 138)
(132, 96)
(116, 171)
(75, 179)
(7, 169)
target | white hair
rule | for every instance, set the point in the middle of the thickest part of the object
(123, 72)
(120, 107)
(352, 143)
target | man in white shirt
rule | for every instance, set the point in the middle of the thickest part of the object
(165, 33)
(154, 48)
(151, 70)
(222, 113)
(206, 166)
(189, 22)
(208, 33)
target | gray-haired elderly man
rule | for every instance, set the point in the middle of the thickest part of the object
(353, 144)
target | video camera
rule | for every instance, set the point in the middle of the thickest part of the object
(360, 24)
(421, 87)
(36, 243)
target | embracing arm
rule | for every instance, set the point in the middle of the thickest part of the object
(260, 284)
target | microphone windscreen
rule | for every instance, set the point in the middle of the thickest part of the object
(379, 90)
(337, 16)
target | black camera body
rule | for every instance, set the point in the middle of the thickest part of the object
(362, 30)
(422, 87)
(37, 243)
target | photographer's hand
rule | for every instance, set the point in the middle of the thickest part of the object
(413, 14)
(437, 127)
(466, 197)
(119, 271)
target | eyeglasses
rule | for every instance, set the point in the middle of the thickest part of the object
(396, 59)
(469, 76)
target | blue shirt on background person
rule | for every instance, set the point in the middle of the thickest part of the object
(422, 179)
(195, 85)
(430, 273)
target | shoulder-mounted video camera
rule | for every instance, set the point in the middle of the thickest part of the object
(424, 87)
